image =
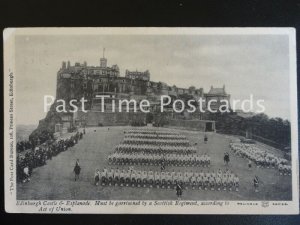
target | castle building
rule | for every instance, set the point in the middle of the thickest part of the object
(138, 75)
(66, 71)
(81, 80)
(216, 94)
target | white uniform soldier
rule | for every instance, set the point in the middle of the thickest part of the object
(224, 181)
(139, 178)
(193, 180)
(110, 175)
(151, 178)
(186, 179)
(127, 177)
(212, 180)
(157, 178)
(206, 180)
(144, 177)
(104, 176)
(218, 183)
(163, 179)
(122, 177)
(169, 179)
(179, 177)
(133, 178)
(236, 182)
(117, 176)
(175, 178)
(230, 177)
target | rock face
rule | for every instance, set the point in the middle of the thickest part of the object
(46, 126)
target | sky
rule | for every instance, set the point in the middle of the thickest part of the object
(245, 64)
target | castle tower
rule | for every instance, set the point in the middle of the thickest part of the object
(63, 66)
(103, 60)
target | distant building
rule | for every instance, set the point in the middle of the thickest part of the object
(216, 94)
(138, 75)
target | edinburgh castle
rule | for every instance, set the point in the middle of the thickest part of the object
(82, 80)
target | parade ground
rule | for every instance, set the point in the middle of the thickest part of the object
(55, 181)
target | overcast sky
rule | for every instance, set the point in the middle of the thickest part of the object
(247, 64)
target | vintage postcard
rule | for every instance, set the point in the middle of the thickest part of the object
(151, 120)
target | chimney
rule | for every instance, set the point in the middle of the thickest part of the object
(63, 65)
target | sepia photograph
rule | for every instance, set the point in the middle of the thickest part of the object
(151, 120)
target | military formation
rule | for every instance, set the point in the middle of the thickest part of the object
(209, 180)
(156, 159)
(261, 158)
(156, 147)
(163, 149)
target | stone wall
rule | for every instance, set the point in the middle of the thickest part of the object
(93, 118)
(199, 125)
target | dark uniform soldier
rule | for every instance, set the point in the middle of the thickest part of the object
(179, 191)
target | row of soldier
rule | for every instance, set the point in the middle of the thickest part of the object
(156, 136)
(147, 178)
(130, 148)
(174, 159)
(150, 131)
(260, 157)
(159, 142)
(27, 161)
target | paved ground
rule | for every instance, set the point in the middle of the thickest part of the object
(56, 179)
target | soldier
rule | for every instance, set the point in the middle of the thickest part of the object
(139, 178)
(169, 179)
(77, 169)
(224, 181)
(104, 176)
(157, 178)
(175, 178)
(117, 177)
(179, 191)
(133, 178)
(97, 177)
(256, 183)
(122, 177)
(236, 182)
(186, 179)
(144, 177)
(163, 179)
(218, 183)
(151, 178)
(127, 176)
(205, 139)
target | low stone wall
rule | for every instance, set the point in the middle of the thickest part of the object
(199, 125)
(94, 118)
